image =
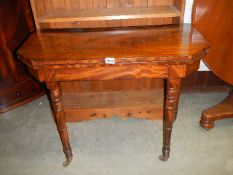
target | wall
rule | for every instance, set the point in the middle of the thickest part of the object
(188, 19)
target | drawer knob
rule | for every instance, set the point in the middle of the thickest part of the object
(19, 94)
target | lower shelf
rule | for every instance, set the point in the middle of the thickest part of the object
(125, 104)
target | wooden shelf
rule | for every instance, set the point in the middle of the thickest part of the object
(135, 103)
(110, 14)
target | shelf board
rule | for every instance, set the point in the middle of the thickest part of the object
(111, 14)
(135, 103)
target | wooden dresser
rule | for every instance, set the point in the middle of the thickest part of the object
(96, 64)
(16, 24)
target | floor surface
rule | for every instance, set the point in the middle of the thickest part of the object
(30, 144)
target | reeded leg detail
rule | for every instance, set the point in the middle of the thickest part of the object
(59, 117)
(170, 113)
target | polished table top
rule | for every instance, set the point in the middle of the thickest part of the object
(214, 19)
(181, 44)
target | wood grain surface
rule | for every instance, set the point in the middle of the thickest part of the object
(214, 19)
(162, 44)
(55, 14)
(16, 86)
(59, 58)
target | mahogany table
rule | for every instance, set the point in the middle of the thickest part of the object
(214, 19)
(169, 52)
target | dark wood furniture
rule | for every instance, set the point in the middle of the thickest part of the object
(169, 52)
(16, 86)
(218, 32)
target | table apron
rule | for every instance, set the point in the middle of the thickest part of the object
(109, 73)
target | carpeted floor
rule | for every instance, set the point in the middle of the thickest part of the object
(30, 144)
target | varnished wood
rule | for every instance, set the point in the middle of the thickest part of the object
(113, 104)
(16, 86)
(125, 104)
(59, 116)
(170, 113)
(104, 73)
(218, 31)
(203, 81)
(19, 93)
(159, 45)
(64, 59)
(106, 13)
(111, 14)
(112, 85)
(222, 110)
(169, 52)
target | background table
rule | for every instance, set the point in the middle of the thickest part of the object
(214, 19)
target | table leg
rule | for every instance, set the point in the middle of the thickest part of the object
(220, 111)
(55, 93)
(170, 113)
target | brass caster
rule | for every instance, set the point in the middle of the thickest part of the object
(67, 162)
(163, 158)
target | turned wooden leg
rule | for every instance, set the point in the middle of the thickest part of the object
(220, 111)
(170, 112)
(55, 93)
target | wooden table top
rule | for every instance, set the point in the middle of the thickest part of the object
(214, 19)
(181, 44)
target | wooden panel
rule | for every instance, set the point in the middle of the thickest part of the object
(19, 94)
(49, 6)
(140, 3)
(72, 5)
(158, 21)
(111, 99)
(104, 73)
(113, 3)
(85, 4)
(59, 4)
(91, 105)
(126, 3)
(67, 14)
(180, 5)
(99, 4)
(16, 24)
(112, 85)
(121, 93)
(111, 14)
(38, 7)
(152, 113)
(202, 79)
(167, 2)
(218, 31)
(154, 2)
